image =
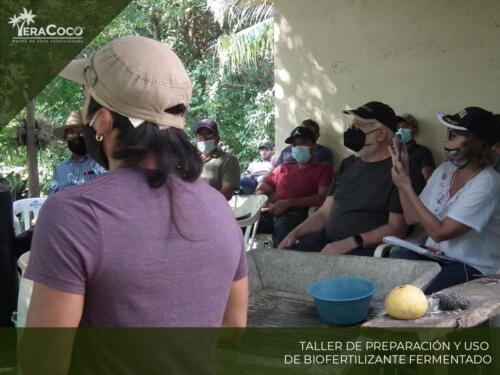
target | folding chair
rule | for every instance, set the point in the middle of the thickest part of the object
(246, 210)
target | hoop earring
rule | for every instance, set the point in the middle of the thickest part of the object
(99, 138)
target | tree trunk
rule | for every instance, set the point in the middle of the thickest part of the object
(156, 24)
(31, 152)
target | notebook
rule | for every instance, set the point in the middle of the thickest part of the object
(419, 249)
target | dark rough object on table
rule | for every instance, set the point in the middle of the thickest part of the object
(449, 301)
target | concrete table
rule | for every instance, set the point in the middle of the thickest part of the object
(279, 280)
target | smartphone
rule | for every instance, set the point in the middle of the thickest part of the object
(399, 143)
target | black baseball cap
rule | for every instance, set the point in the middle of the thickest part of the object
(207, 123)
(301, 132)
(266, 145)
(376, 111)
(476, 120)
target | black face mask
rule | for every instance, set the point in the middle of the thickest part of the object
(94, 147)
(355, 138)
(77, 146)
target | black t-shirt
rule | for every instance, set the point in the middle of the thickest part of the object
(364, 195)
(420, 157)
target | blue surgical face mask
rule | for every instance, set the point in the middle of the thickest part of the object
(405, 134)
(206, 147)
(301, 153)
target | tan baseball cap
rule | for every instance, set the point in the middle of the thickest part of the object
(74, 120)
(136, 77)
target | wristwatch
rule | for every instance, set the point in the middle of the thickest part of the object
(358, 239)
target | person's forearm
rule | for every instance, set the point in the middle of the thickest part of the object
(409, 212)
(227, 191)
(430, 222)
(264, 189)
(314, 224)
(306, 202)
(261, 173)
(375, 237)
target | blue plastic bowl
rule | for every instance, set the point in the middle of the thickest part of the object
(342, 301)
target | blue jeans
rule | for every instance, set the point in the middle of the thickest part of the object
(315, 242)
(247, 185)
(280, 226)
(452, 273)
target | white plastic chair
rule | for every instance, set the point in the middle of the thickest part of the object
(418, 235)
(25, 207)
(246, 210)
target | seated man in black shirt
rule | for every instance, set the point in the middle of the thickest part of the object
(363, 205)
(421, 160)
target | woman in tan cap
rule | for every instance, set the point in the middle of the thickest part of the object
(81, 167)
(459, 207)
(141, 246)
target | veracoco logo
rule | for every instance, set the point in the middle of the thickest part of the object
(49, 33)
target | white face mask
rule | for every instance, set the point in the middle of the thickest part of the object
(205, 147)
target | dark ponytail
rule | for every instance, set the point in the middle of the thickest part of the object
(170, 148)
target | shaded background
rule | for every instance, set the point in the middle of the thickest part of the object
(417, 56)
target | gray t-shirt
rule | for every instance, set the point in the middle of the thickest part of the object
(143, 257)
(364, 196)
(221, 168)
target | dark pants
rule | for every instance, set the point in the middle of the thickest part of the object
(317, 241)
(452, 273)
(280, 226)
(247, 185)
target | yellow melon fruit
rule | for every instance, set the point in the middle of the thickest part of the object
(406, 302)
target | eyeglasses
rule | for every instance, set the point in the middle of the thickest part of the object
(73, 134)
(357, 125)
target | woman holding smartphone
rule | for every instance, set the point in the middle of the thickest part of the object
(459, 207)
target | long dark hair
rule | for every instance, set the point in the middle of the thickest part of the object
(170, 148)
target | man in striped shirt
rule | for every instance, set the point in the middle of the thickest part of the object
(80, 168)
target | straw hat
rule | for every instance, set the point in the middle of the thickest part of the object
(74, 120)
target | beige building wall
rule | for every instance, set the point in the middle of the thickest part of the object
(417, 56)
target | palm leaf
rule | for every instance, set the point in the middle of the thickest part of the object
(252, 11)
(251, 42)
(248, 47)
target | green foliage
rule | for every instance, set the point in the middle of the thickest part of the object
(240, 100)
(249, 40)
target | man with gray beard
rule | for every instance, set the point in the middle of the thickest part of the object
(363, 204)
